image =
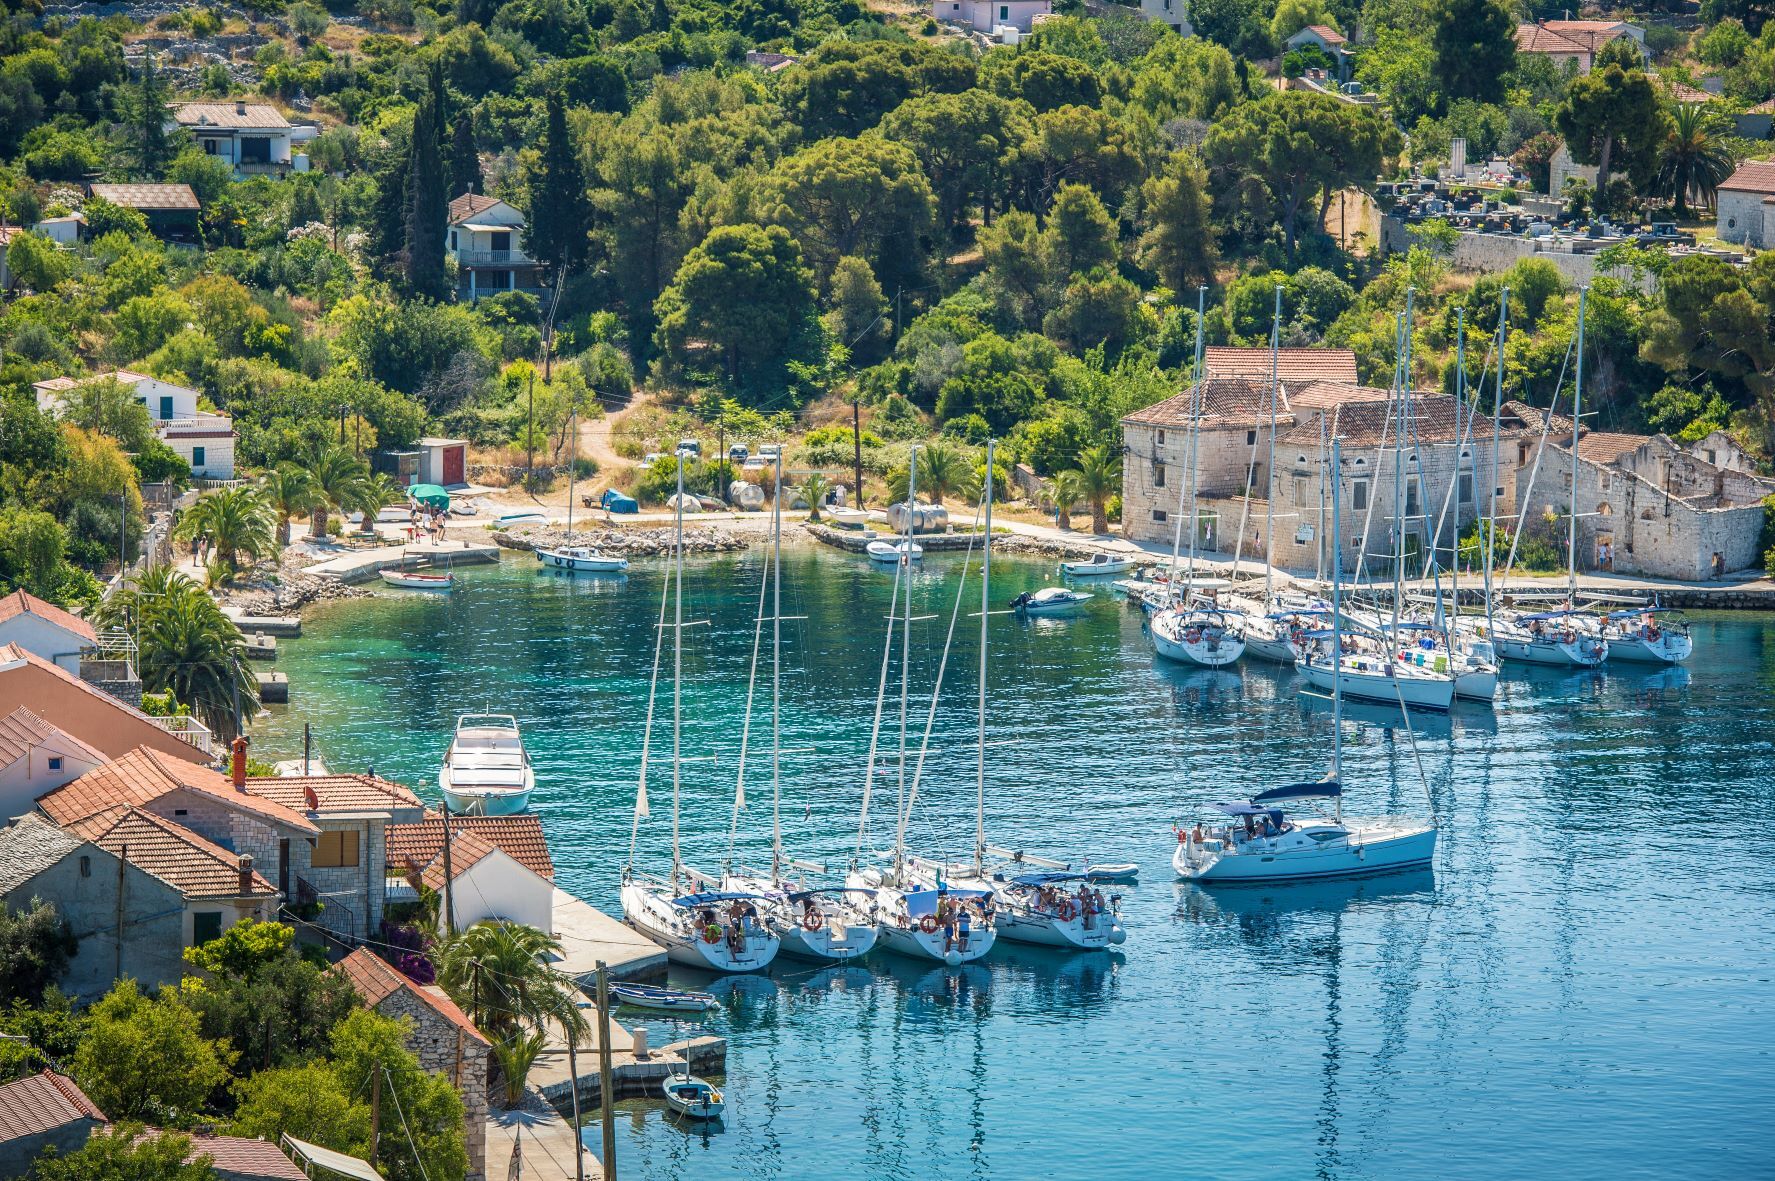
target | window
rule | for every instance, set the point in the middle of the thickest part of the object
(1466, 492)
(453, 239)
(179, 811)
(1250, 438)
(205, 926)
(1161, 437)
(1158, 475)
(197, 463)
(1709, 456)
(335, 850)
(1412, 508)
(255, 149)
(85, 866)
(1004, 12)
(1359, 495)
(55, 762)
(1158, 514)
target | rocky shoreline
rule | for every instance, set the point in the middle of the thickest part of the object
(290, 594)
(630, 543)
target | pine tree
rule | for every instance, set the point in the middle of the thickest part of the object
(559, 209)
(465, 158)
(427, 205)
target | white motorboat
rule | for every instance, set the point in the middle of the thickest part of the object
(692, 1097)
(659, 999)
(1050, 600)
(1100, 564)
(846, 518)
(486, 771)
(1373, 676)
(890, 553)
(1258, 842)
(1196, 635)
(579, 558)
(1040, 908)
(1640, 636)
(417, 580)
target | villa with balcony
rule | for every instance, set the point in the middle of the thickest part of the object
(254, 138)
(203, 438)
(486, 241)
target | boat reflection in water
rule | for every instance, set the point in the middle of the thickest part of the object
(1261, 913)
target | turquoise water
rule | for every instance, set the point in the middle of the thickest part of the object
(1583, 988)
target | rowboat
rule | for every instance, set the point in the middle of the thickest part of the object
(846, 518)
(663, 1000)
(1099, 564)
(890, 552)
(412, 580)
(692, 1097)
(578, 558)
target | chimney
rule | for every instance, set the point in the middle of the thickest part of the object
(240, 106)
(238, 764)
(246, 874)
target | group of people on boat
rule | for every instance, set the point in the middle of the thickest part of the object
(1064, 904)
(1266, 826)
(742, 920)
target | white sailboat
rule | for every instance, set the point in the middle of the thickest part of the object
(1256, 841)
(716, 930)
(577, 559)
(486, 771)
(927, 919)
(812, 923)
(1647, 635)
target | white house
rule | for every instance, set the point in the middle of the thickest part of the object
(500, 866)
(204, 439)
(35, 759)
(984, 16)
(1745, 205)
(1173, 14)
(254, 138)
(486, 241)
(45, 630)
(1328, 41)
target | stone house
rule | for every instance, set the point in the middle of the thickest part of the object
(108, 725)
(1293, 366)
(163, 882)
(45, 629)
(44, 1111)
(1744, 205)
(444, 1040)
(500, 865)
(1575, 42)
(36, 758)
(1646, 505)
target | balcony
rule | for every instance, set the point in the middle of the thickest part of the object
(494, 258)
(188, 730)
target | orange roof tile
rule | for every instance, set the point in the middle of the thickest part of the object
(1292, 365)
(518, 837)
(21, 730)
(468, 204)
(1753, 176)
(335, 793)
(1328, 34)
(237, 1158)
(42, 1103)
(375, 980)
(467, 849)
(22, 602)
(1541, 39)
(144, 775)
(171, 852)
(100, 735)
(1366, 424)
(1226, 402)
(1320, 395)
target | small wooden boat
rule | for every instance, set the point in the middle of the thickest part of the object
(663, 1000)
(1099, 564)
(692, 1097)
(845, 518)
(579, 557)
(414, 580)
(1050, 600)
(890, 552)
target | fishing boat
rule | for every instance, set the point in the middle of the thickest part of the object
(831, 924)
(1256, 841)
(890, 553)
(692, 1097)
(1099, 564)
(1196, 634)
(717, 930)
(417, 579)
(1647, 635)
(927, 920)
(1050, 600)
(581, 559)
(659, 999)
(486, 771)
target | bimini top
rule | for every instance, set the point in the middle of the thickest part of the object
(1241, 808)
(922, 902)
(1047, 879)
(1550, 615)
(1324, 789)
(798, 895)
(1636, 612)
(692, 901)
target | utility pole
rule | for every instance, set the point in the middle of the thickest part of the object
(529, 455)
(307, 746)
(122, 537)
(606, 1086)
(579, 1164)
(375, 1106)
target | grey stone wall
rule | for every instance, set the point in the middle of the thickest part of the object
(442, 1048)
(153, 922)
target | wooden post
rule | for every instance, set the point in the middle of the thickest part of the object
(375, 1106)
(606, 1086)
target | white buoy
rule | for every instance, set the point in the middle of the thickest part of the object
(952, 958)
(1118, 936)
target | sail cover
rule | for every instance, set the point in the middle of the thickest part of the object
(1324, 789)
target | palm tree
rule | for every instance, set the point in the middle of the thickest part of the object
(1065, 490)
(234, 521)
(814, 490)
(1697, 156)
(187, 647)
(337, 475)
(943, 470)
(290, 492)
(373, 494)
(515, 1056)
(499, 972)
(1100, 477)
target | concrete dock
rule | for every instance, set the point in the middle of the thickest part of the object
(588, 935)
(363, 565)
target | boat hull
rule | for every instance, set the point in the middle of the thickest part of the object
(593, 565)
(648, 912)
(1209, 651)
(1094, 569)
(1395, 849)
(489, 803)
(1052, 931)
(1555, 653)
(1477, 684)
(1434, 693)
(910, 941)
(1279, 649)
(436, 582)
(826, 944)
(1668, 648)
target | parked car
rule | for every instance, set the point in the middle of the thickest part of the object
(738, 452)
(690, 447)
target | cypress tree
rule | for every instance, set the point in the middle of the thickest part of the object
(465, 159)
(427, 205)
(559, 209)
(149, 114)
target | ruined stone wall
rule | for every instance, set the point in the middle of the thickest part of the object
(445, 1049)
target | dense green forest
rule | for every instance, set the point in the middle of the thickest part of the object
(968, 240)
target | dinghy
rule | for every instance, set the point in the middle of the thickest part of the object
(890, 553)
(692, 1097)
(414, 580)
(526, 517)
(660, 999)
(1050, 600)
(1099, 564)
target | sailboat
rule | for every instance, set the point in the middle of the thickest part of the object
(1647, 635)
(812, 923)
(1256, 841)
(716, 930)
(1188, 629)
(576, 559)
(924, 916)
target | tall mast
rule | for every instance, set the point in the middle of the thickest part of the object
(677, 666)
(905, 660)
(985, 609)
(1337, 631)
(572, 463)
(1454, 573)
(1195, 433)
(776, 674)
(1195, 392)
(1577, 426)
(1269, 468)
(1399, 465)
(1319, 529)
(1491, 495)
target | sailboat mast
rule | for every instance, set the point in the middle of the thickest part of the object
(985, 609)
(905, 661)
(1337, 632)
(572, 464)
(1319, 531)
(1195, 433)
(677, 668)
(1454, 573)
(1195, 390)
(1401, 393)
(1497, 416)
(1269, 467)
(1577, 426)
(776, 675)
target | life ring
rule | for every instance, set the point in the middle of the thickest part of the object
(1064, 910)
(712, 933)
(812, 921)
(1193, 636)
(928, 924)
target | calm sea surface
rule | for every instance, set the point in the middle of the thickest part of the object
(1583, 988)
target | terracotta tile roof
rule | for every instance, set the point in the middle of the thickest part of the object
(1682, 92)
(1320, 395)
(171, 852)
(375, 980)
(1292, 365)
(1607, 447)
(1541, 39)
(24, 603)
(228, 114)
(157, 198)
(1328, 34)
(518, 837)
(1753, 176)
(21, 731)
(144, 775)
(14, 654)
(1368, 424)
(466, 851)
(468, 204)
(1226, 402)
(237, 1158)
(42, 1103)
(1593, 35)
(1766, 107)
(29, 846)
(335, 793)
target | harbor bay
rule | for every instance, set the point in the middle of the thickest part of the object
(1578, 986)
